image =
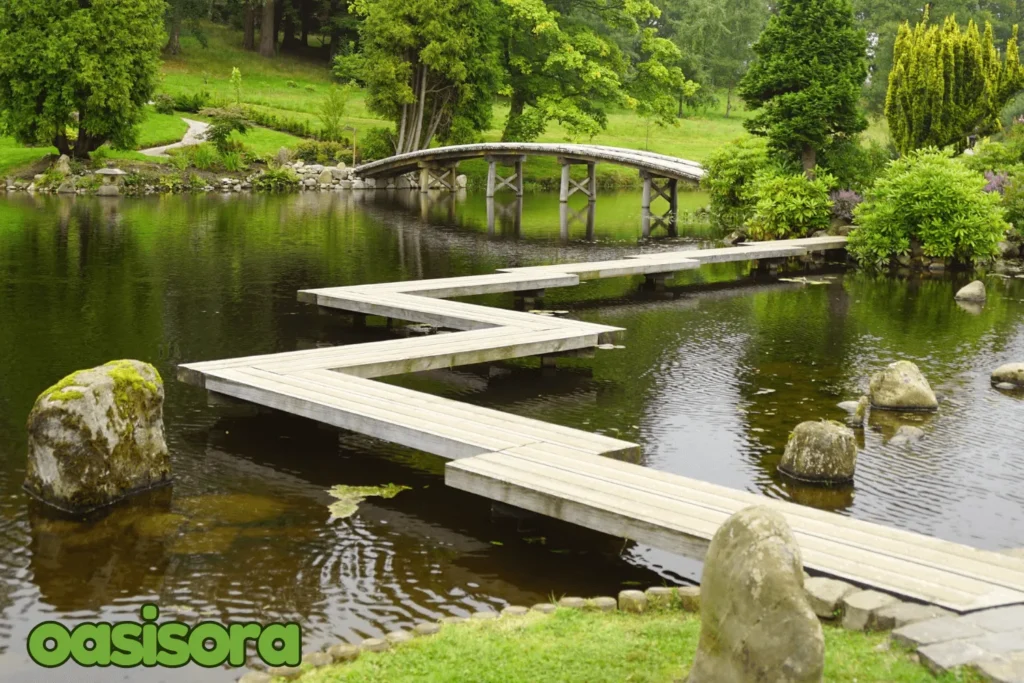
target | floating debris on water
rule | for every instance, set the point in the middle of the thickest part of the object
(349, 497)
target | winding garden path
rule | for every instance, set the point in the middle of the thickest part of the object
(193, 136)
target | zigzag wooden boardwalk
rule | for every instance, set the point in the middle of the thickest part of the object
(579, 477)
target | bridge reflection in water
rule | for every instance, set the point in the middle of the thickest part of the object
(437, 169)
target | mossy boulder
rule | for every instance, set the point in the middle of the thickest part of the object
(756, 622)
(901, 386)
(97, 436)
(822, 452)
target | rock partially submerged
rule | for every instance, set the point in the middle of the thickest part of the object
(1011, 373)
(97, 436)
(901, 386)
(756, 622)
(822, 452)
(974, 292)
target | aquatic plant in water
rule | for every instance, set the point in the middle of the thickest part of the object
(349, 497)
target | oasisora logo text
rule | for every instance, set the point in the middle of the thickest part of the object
(170, 644)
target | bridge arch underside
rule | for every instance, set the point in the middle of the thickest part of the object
(437, 169)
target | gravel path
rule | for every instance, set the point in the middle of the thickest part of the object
(193, 136)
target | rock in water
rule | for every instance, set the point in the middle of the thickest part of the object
(901, 386)
(756, 622)
(1011, 373)
(822, 452)
(972, 292)
(98, 436)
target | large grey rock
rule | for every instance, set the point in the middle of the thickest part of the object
(822, 452)
(901, 386)
(1011, 373)
(326, 177)
(461, 181)
(63, 164)
(973, 292)
(756, 623)
(906, 434)
(67, 187)
(98, 436)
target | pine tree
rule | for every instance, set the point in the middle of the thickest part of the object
(946, 84)
(807, 78)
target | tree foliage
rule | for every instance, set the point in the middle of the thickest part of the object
(715, 37)
(568, 62)
(806, 80)
(882, 19)
(77, 75)
(934, 200)
(431, 66)
(946, 84)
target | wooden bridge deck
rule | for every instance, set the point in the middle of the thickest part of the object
(583, 478)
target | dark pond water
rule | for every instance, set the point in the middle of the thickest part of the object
(716, 373)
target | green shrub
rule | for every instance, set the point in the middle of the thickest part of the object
(276, 180)
(314, 152)
(192, 103)
(854, 165)
(204, 157)
(990, 155)
(935, 200)
(223, 123)
(98, 157)
(89, 183)
(164, 104)
(1013, 200)
(332, 112)
(51, 178)
(788, 205)
(376, 143)
(180, 159)
(233, 162)
(295, 127)
(728, 171)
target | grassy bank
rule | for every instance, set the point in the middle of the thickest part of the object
(573, 645)
(293, 88)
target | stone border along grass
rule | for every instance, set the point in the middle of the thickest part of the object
(835, 602)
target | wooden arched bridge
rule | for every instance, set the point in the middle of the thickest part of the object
(438, 167)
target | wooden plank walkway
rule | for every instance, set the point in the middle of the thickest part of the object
(587, 479)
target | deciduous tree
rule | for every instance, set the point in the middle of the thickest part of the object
(75, 74)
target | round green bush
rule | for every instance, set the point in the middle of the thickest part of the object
(788, 205)
(935, 200)
(727, 172)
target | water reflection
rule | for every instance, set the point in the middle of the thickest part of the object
(718, 367)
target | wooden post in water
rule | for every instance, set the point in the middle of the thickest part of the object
(492, 173)
(645, 206)
(519, 176)
(592, 181)
(424, 178)
(563, 195)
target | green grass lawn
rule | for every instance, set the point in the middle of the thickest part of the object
(573, 645)
(293, 87)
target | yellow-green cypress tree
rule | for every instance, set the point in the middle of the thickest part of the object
(947, 83)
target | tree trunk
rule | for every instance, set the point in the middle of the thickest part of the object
(173, 46)
(728, 102)
(515, 110)
(399, 148)
(61, 142)
(421, 96)
(268, 34)
(809, 159)
(288, 41)
(249, 35)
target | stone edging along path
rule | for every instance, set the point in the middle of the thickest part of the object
(942, 641)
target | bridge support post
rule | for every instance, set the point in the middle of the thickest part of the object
(570, 187)
(433, 176)
(654, 187)
(496, 182)
(513, 211)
